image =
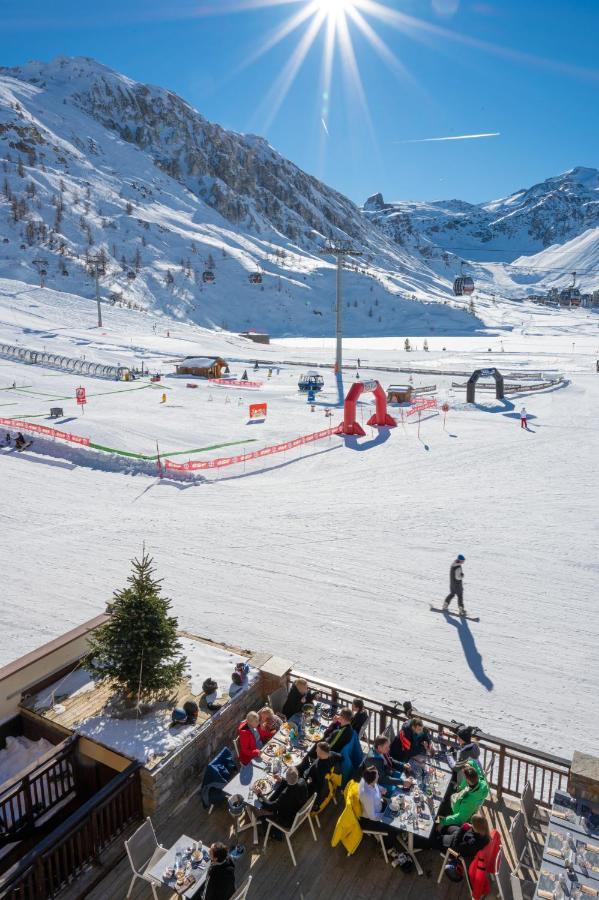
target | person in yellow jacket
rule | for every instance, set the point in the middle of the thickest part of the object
(348, 830)
(163, 399)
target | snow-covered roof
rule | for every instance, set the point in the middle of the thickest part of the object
(199, 362)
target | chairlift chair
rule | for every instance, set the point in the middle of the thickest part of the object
(255, 278)
(208, 277)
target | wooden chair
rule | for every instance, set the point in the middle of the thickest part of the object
(300, 817)
(144, 851)
(243, 890)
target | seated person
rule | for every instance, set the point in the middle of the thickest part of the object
(315, 772)
(467, 743)
(472, 789)
(412, 740)
(269, 724)
(250, 742)
(297, 697)
(220, 877)
(288, 797)
(372, 803)
(339, 732)
(359, 716)
(389, 769)
(237, 684)
(469, 838)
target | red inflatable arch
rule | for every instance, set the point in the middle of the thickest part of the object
(380, 417)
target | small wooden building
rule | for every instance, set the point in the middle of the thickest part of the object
(202, 366)
(399, 393)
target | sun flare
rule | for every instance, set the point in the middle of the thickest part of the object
(335, 8)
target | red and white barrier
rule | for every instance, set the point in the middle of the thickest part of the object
(422, 404)
(195, 465)
(18, 425)
(234, 382)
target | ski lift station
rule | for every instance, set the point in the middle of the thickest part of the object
(310, 383)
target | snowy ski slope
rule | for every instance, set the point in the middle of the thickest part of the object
(332, 554)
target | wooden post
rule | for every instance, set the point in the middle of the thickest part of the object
(500, 771)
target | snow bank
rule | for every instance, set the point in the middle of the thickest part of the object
(19, 754)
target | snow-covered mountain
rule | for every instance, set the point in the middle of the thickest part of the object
(97, 165)
(552, 212)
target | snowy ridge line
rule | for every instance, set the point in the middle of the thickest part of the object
(19, 425)
(65, 363)
(256, 454)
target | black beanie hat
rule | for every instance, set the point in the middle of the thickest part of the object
(464, 732)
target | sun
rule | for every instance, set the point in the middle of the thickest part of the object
(334, 8)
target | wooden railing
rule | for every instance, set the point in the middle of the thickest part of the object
(45, 785)
(508, 766)
(77, 843)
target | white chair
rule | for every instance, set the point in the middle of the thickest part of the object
(519, 841)
(521, 889)
(243, 890)
(503, 878)
(380, 838)
(528, 805)
(144, 852)
(300, 818)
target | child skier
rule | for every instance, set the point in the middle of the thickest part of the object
(523, 423)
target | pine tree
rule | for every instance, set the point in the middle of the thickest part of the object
(137, 648)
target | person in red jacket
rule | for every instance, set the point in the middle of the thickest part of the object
(250, 742)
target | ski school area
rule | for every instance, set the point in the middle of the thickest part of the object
(174, 422)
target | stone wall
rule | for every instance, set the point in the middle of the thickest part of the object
(181, 773)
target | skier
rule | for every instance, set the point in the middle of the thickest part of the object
(20, 442)
(523, 423)
(456, 584)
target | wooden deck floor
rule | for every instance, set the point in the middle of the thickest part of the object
(322, 871)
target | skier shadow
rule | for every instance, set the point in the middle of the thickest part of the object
(473, 657)
(502, 407)
(351, 440)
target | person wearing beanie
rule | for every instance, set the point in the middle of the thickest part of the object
(456, 584)
(468, 744)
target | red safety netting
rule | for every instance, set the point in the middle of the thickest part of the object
(421, 404)
(234, 382)
(47, 432)
(194, 465)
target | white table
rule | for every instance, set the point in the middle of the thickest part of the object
(168, 860)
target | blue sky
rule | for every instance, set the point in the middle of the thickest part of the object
(527, 69)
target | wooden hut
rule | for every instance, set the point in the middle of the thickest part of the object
(399, 393)
(202, 366)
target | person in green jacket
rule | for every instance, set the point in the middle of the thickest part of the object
(471, 793)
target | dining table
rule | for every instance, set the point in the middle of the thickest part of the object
(196, 870)
(413, 810)
(569, 867)
(286, 748)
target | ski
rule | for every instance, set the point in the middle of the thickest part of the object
(449, 612)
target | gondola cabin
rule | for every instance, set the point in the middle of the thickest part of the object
(208, 277)
(255, 278)
(202, 366)
(310, 383)
(463, 285)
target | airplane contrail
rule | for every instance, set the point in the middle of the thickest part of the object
(324, 125)
(455, 137)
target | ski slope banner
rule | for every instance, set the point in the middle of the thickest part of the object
(44, 430)
(258, 410)
(235, 382)
(195, 465)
